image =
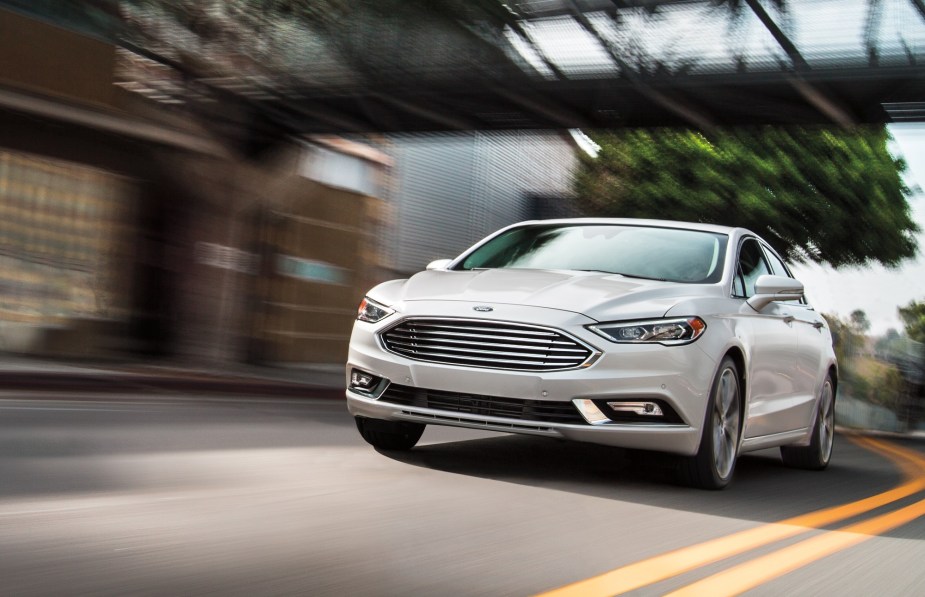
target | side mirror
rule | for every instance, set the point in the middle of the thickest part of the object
(439, 264)
(775, 288)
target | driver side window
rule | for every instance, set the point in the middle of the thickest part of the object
(750, 266)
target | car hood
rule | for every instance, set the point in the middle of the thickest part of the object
(598, 296)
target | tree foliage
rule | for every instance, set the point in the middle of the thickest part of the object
(823, 195)
(913, 317)
(847, 339)
(839, 330)
(860, 321)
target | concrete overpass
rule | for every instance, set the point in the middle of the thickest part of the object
(414, 65)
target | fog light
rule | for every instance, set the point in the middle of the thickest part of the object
(590, 411)
(363, 381)
(646, 409)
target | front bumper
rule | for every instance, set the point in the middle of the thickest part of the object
(679, 376)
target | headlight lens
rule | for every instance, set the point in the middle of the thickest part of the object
(371, 311)
(671, 332)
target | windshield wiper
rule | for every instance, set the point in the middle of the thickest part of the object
(600, 271)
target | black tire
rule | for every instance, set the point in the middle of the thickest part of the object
(818, 453)
(714, 464)
(389, 435)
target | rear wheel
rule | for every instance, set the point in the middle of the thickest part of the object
(817, 454)
(713, 465)
(389, 435)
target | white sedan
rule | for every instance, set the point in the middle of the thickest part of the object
(691, 339)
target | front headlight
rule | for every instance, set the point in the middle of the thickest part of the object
(371, 311)
(671, 332)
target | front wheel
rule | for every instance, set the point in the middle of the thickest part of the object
(714, 463)
(817, 454)
(389, 435)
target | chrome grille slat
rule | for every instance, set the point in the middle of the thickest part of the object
(418, 331)
(441, 357)
(488, 344)
(502, 353)
(530, 332)
(411, 342)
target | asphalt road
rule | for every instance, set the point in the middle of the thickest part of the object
(179, 495)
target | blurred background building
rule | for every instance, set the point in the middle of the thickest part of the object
(448, 191)
(132, 231)
(63, 240)
(360, 212)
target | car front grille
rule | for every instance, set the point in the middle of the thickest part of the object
(488, 344)
(488, 406)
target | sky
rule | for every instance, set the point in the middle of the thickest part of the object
(876, 289)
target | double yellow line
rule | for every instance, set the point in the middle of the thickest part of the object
(753, 573)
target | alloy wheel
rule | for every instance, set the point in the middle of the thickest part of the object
(826, 421)
(726, 424)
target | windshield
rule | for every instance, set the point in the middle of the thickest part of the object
(644, 252)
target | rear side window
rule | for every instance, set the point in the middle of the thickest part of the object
(751, 265)
(777, 265)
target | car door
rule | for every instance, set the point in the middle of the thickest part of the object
(771, 340)
(809, 351)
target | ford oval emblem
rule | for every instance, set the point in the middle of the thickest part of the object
(483, 308)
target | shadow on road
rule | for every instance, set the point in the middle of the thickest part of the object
(764, 490)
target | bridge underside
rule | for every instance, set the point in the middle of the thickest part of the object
(843, 98)
(326, 66)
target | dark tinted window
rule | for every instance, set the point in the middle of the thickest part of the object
(634, 251)
(777, 265)
(751, 265)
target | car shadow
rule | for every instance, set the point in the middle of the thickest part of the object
(763, 490)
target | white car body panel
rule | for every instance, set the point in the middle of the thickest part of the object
(785, 351)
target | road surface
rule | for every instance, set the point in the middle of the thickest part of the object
(186, 495)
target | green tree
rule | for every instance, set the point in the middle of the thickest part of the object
(913, 317)
(816, 194)
(845, 338)
(887, 387)
(860, 321)
(887, 343)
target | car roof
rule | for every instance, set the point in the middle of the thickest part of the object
(642, 222)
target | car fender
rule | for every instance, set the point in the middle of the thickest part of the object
(725, 335)
(742, 355)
